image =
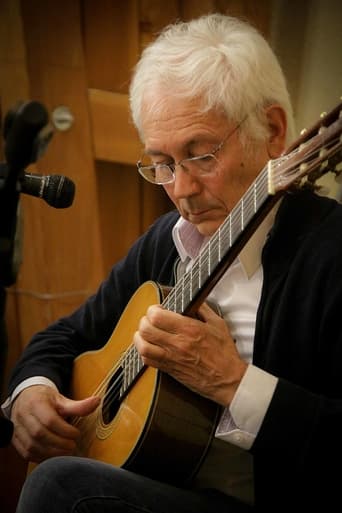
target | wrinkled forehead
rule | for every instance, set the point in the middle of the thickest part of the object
(161, 110)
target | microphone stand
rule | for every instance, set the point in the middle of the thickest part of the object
(26, 134)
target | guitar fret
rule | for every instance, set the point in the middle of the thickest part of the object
(125, 377)
(131, 366)
(219, 244)
(209, 251)
(138, 363)
(242, 213)
(169, 302)
(175, 304)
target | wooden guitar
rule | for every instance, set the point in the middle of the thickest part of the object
(148, 422)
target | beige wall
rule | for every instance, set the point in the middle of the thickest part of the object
(307, 36)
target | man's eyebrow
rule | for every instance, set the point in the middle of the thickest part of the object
(155, 152)
(192, 142)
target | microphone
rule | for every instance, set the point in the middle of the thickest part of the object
(27, 133)
(57, 190)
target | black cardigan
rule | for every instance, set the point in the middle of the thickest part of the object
(298, 338)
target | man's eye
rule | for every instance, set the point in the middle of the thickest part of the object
(205, 158)
(158, 165)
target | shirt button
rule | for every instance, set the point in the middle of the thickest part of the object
(237, 437)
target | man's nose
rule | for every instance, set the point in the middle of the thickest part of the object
(186, 183)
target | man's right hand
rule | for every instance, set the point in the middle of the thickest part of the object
(41, 428)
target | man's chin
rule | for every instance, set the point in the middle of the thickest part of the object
(208, 228)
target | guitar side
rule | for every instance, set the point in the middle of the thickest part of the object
(160, 429)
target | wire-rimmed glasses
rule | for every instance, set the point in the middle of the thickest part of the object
(161, 173)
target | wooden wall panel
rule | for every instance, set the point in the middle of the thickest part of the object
(119, 193)
(110, 32)
(123, 216)
(14, 83)
(114, 136)
(62, 249)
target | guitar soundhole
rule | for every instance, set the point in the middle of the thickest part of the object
(112, 399)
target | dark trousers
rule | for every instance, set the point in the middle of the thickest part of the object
(80, 485)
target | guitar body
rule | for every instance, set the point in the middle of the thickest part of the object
(160, 429)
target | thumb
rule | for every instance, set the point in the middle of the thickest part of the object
(68, 407)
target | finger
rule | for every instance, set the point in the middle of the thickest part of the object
(68, 410)
(68, 407)
(163, 319)
(159, 323)
(149, 332)
(43, 418)
(206, 313)
(151, 350)
(35, 441)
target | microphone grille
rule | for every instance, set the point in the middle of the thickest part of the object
(59, 191)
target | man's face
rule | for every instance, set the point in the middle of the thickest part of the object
(177, 130)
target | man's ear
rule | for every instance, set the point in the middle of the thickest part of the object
(277, 124)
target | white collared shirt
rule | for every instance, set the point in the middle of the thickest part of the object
(238, 295)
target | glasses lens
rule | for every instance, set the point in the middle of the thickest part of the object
(156, 174)
(201, 165)
(205, 163)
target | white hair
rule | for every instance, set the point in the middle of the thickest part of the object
(221, 60)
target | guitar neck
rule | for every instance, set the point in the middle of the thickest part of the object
(222, 248)
(315, 153)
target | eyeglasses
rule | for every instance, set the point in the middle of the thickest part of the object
(202, 165)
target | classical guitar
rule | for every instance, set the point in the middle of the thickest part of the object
(147, 422)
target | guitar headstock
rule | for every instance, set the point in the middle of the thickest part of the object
(316, 152)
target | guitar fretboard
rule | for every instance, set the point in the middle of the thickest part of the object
(214, 253)
(311, 156)
(207, 263)
(132, 365)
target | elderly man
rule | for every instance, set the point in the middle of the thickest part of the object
(211, 106)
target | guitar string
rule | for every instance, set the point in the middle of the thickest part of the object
(235, 221)
(88, 423)
(221, 239)
(235, 218)
(215, 243)
(114, 388)
(102, 385)
(111, 393)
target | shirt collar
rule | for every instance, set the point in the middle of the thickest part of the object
(189, 241)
